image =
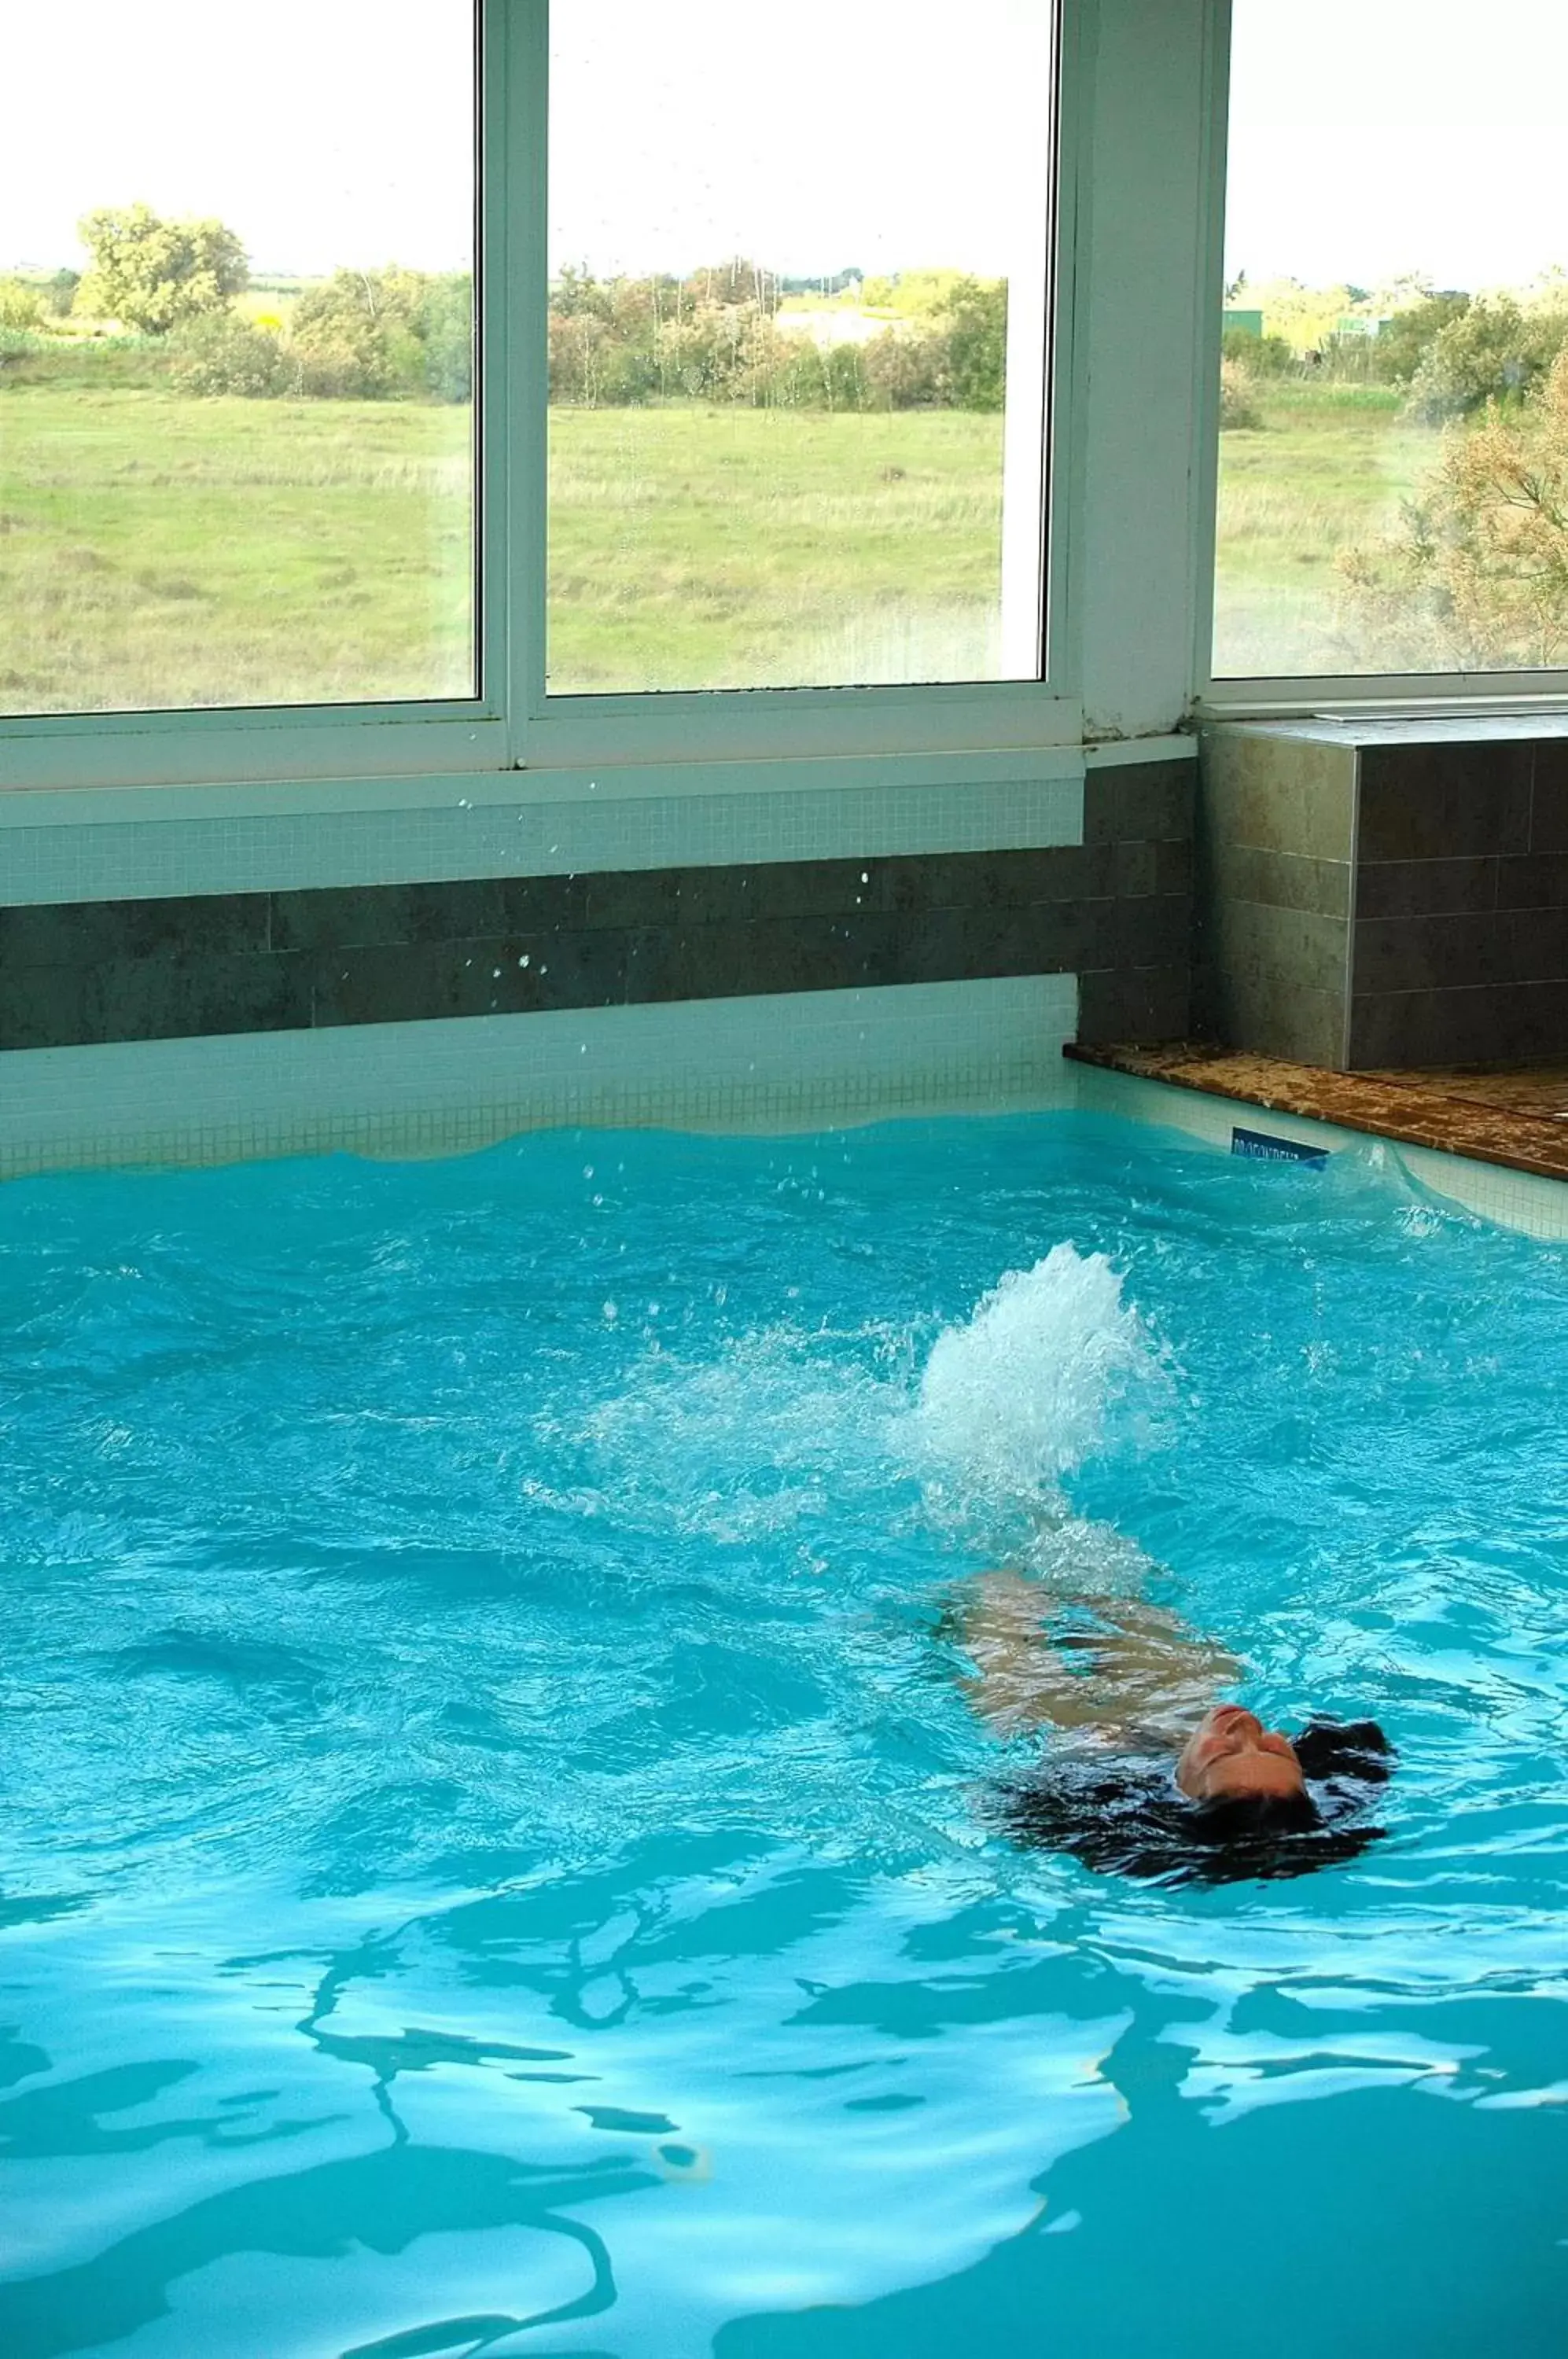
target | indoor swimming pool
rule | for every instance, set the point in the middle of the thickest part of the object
(498, 1855)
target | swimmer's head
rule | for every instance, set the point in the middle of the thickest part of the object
(1232, 1757)
(1235, 1821)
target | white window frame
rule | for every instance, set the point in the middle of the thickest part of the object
(513, 724)
(1354, 695)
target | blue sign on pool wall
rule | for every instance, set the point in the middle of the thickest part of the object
(1264, 1148)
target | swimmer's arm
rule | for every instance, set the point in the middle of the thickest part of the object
(1149, 1639)
(1020, 1679)
(1145, 1667)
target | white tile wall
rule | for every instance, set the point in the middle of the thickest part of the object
(796, 1060)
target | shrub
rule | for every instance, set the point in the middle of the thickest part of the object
(713, 336)
(20, 307)
(380, 335)
(1476, 577)
(343, 337)
(224, 354)
(905, 372)
(1238, 405)
(1492, 350)
(577, 342)
(444, 326)
(1409, 335)
(1258, 355)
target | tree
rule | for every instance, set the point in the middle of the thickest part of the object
(905, 372)
(19, 305)
(974, 319)
(1476, 578)
(353, 336)
(380, 335)
(155, 275)
(1492, 350)
(1399, 351)
(733, 282)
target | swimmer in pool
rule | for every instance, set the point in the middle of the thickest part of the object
(1149, 1774)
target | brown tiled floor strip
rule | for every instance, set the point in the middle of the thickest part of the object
(1419, 1109)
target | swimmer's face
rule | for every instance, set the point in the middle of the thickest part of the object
(1232, 1757)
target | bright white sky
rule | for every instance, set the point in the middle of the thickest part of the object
(321, 131)
(1369, 136)
(331, 132)
(807, 137)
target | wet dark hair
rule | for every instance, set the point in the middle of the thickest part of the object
(1126, 1815)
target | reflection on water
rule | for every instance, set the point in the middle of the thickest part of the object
(492, 1860)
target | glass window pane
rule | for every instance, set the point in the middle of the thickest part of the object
(1394, 430)
(797, 335)
(237, 271)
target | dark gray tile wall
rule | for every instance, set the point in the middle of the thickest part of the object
(1383, 904)
(1116, 910)
(1461, 942)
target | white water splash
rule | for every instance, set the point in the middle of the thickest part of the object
(1025, 1392)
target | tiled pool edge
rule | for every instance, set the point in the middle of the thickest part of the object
(768, 1063)
(791, 1060)
(1525, 1201)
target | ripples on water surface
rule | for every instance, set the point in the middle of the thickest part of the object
(491, 1857)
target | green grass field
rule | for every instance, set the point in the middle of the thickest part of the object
(755, 548)
(156, 550)
(1327, 468)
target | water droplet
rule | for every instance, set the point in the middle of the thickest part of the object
(611, 1313)
(587, 1171)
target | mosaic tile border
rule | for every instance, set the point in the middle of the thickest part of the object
(491, 830)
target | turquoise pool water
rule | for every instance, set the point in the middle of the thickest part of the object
(495, 1855)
